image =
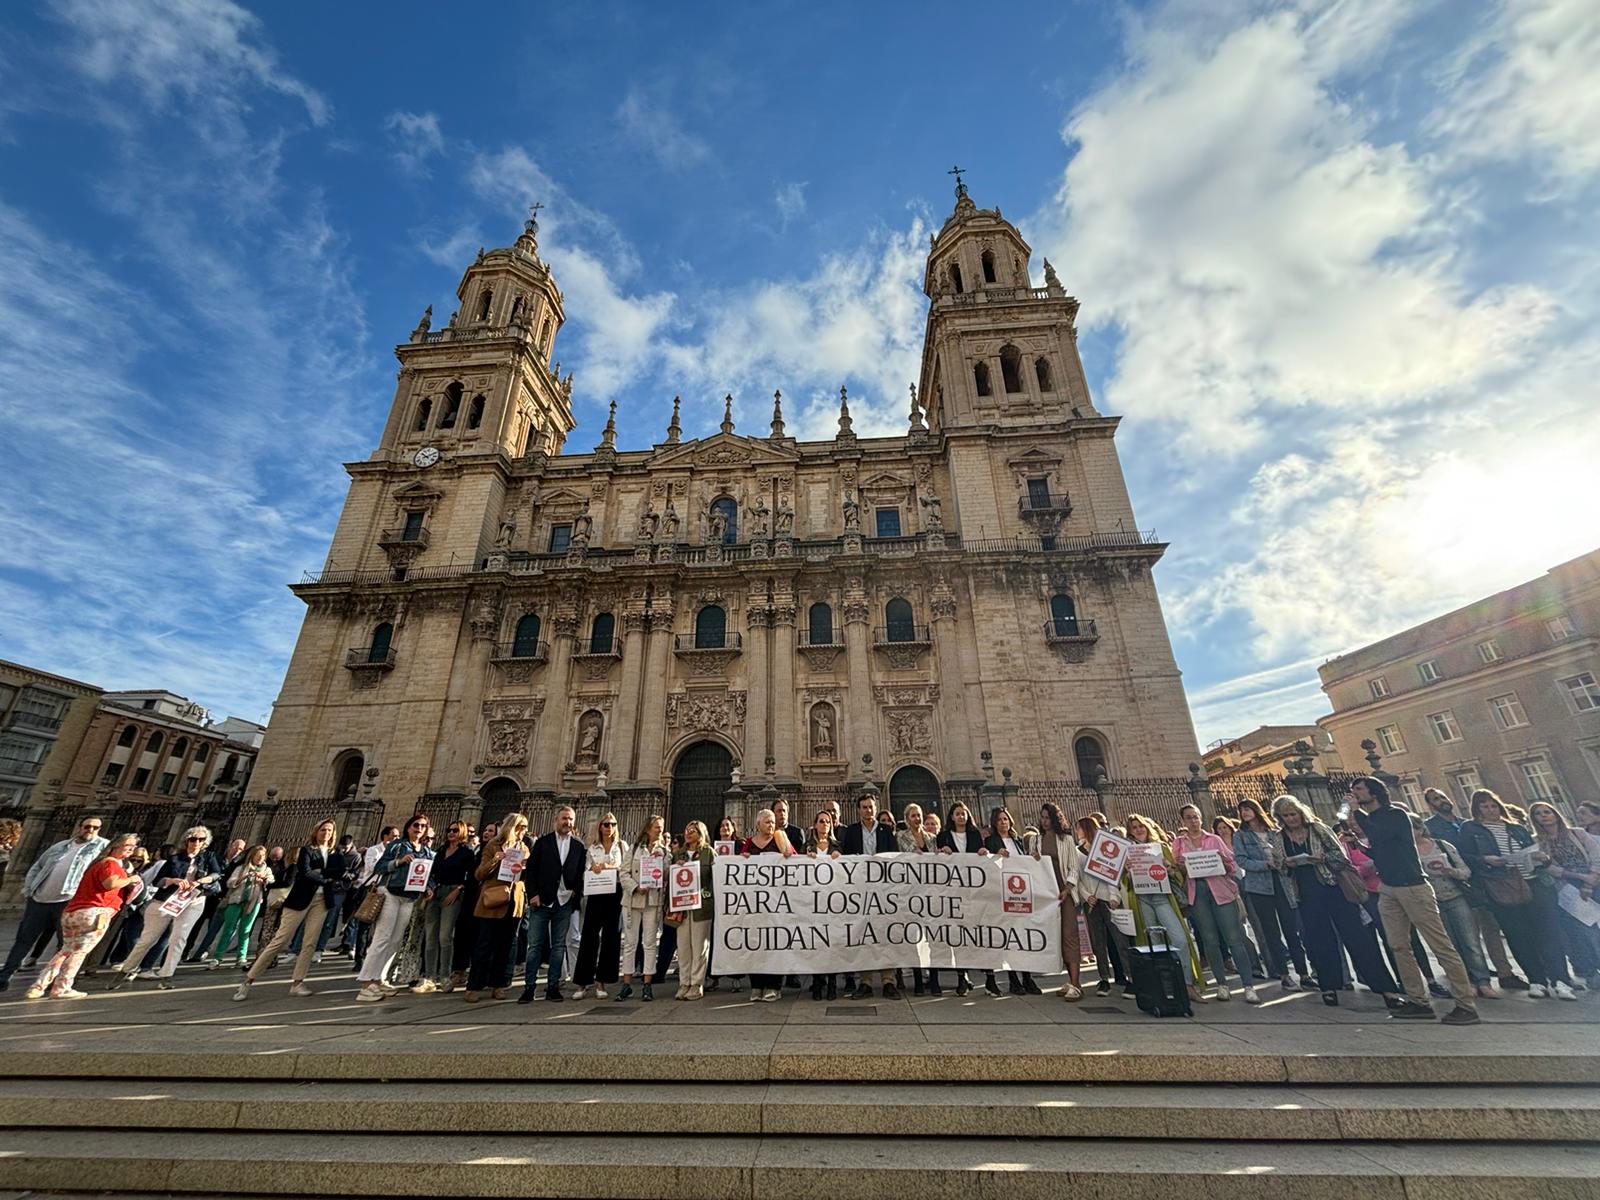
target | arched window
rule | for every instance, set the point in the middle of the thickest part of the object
(424, 411)
(980, 376)
(899, 622)
(452, 407)
(154, 743)
(475, 411)
(129, 736)
(525, 641)
(955, 277)
(381, 637)
(710, 628)
(180, 747)
(1091, 756)
(347, 773)
(729, 508)
(988, 267)
(516, 309)
(544, 334)
(202, 752)
(1063, 616)
(485, 304)
(602, 633)
(1041, 372)
(1011, 368)
(819, 625)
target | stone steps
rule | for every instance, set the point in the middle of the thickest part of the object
(1242, 1113)
(656, 1162)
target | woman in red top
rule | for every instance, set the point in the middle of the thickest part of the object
(86, 917)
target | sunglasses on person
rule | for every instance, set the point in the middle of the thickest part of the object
(608, 824)
(419, 825)
(194, 839)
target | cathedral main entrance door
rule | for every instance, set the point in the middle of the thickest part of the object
(699, 781)
(913, 785)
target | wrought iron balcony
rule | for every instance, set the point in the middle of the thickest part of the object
(1044, 506)
(1063, 630)
(369, 658)
(530, 652)
(404, 537)
(691, 643)
(20, 768)
(832, 642)
(604, 648)
(902, 635)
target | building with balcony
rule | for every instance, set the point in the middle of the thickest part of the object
(497, 614)
(1503, 693)
(43, 718)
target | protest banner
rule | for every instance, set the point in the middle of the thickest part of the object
(685, 893)
(652, 870)
(511, 864)
(1204, 864)
(1108, 853)
(802, 915)
(1147, 870)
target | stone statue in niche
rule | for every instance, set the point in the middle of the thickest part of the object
(502, 540)
(669, 524)
(822, 743)
(582, 527)
(717, 525)
(934, 520)
(760, 518)
(852, 514)
(647, 525)
(784, 522)
(590, 727)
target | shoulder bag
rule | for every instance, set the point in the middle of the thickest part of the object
(1508, 888)
(371, 905)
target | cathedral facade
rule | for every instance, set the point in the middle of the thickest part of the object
(500, 616)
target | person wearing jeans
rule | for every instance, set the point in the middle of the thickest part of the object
(554, 881)
(51, 881)
(1447, 871)
(1257, 848)
(1212, 900)
(1154, 903)
(452, 865)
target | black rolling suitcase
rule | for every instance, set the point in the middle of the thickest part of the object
(1160, 984)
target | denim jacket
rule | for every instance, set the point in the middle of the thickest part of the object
(389, 874)
(1256, 852)
(85, 854)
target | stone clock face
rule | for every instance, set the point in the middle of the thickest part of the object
(425, 457)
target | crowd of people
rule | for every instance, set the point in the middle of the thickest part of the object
(1382, 896)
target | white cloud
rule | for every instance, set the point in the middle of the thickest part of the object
(1527, 87)
(1225, 211)
(657, 130)
(414, 138)
(790, 199)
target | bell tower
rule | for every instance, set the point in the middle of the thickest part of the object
(486, 382)
(997, 351)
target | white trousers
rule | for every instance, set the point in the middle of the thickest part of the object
(156, 923)
(640, 926)
(388, 935)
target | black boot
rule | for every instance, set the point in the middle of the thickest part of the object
(989, 985)
(833, 990)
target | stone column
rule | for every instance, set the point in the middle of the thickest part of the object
(623, 753)
(861, 733)
(359, 818)
(1307, 784)
(557, 710)
(1200, 793)
(653, 720)
(784, 701)
(758, 621)
(955, 725)
(265, 811)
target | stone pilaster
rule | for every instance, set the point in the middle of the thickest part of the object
(623, 751)
(653, 718)
(553, 722)
(955, 725)
(861, 730)
(784, 715)
(759, 682)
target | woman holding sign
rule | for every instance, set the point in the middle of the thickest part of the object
(1003, 843)
(644, 877)
(767, 839)
(962, 838)
(1504, 857)
(1209, 866)
(1150, 891)
(821, 843)
(1099, 885)
(915, 838)
(181, 887)
(600, 945)
(694, 933)
(401, 874)
(497, 913)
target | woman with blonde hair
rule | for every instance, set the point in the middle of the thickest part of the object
(246, 889)
(600, 944)
(1160, 908)
(1574, 862)
(304, 903)
(499, 909)
(643, 890)
(181, 887)
(1504, 856)
(915, 838)
(694, 933)
(767, 839)
(87, 916)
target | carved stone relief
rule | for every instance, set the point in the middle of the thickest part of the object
(909, 730)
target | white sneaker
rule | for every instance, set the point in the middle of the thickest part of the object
(1579, 984)
(771, 996)
(370, 995)
(213, 964)
(581, 994)
(423, 986)
(1536, 991)
(242, 992)
(1223, 993)
(34, 993)
(70, 994)
(1290, 981)
(388, 989)
(1250, 996)
(599, 992)
(316, 956)
(1563, 992)
(300, 989)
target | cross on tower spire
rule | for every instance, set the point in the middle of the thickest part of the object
(961, 188)
(532, 223)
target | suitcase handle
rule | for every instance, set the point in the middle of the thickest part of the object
(1150, 937)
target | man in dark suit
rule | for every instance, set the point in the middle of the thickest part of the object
(554, 882)
(780, 813)
(868, 836)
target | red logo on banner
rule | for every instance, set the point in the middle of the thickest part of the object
(1157, 871)
(684, 876)
(1017, 883)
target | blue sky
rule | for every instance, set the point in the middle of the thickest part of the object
(1337, 264)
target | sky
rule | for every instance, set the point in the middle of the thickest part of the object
(1337, 261)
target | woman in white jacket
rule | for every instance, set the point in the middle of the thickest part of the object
(1056, 843)
(641, 904)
